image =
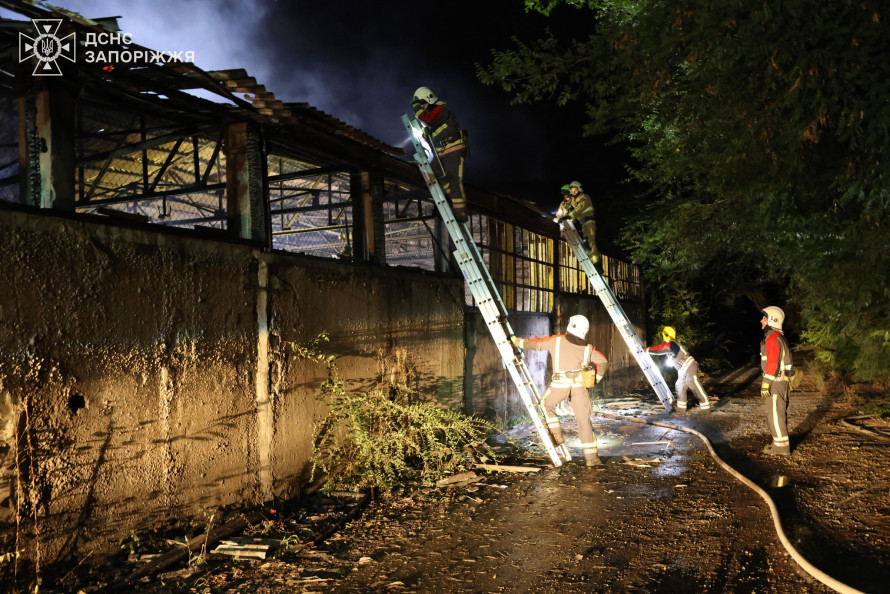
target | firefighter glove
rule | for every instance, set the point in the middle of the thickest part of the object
(764, 389)
(514, 340)
(563, 218)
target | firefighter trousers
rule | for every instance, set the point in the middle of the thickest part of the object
(579, 399)
(452, 180)
(687, 380)
(588, 228)
(777, 413)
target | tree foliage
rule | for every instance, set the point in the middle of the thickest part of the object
(760, 129)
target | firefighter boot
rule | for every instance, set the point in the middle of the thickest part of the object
(592, 460)
(774, 450)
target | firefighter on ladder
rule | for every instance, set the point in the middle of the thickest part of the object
(570, 352)
(577, 206)
(449, 142)
(687, 370)
(775, 361)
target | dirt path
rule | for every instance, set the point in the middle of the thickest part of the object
(659, 516)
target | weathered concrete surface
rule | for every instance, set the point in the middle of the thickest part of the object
(151, 374)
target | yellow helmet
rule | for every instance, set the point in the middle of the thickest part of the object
(668, 334)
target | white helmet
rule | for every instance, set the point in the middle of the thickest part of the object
(425, 94)
(578, 326)
(774, 316)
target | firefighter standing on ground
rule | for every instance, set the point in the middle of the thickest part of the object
(570, 352)
(687, 370)
(448, 142)
(577, 206)
(775, 361)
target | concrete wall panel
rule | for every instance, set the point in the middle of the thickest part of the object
(151, 375)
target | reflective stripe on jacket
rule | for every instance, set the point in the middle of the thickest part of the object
(447, 137)
(568, 358)
(679, 355)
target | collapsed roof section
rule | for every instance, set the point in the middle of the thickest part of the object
(131, 139)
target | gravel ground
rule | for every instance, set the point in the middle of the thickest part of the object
(661, 515)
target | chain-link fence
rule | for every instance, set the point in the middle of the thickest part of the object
(410, 232)
(310, 208)
(147, 168)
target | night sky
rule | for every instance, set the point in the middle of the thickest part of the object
(360, 61)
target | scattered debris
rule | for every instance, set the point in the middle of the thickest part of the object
(503, 468)
(867, 424)
(643, 462)
(253, 548)
(462, 478)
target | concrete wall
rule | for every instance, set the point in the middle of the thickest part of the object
(151, 374)
(129, 358)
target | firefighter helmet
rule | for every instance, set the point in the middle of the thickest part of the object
(774, 316)
(578, 326)
(576, 184)
(566, 190)
(425, 94)
(668, 334)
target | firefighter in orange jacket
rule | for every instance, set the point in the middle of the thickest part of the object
(775, 361)
(449, 144)
(570, 352)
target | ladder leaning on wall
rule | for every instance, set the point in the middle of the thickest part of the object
(622, 322)
(482, 287)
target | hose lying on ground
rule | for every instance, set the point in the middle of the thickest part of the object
(804, 564)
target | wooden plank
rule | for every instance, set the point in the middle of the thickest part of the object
(503, 468)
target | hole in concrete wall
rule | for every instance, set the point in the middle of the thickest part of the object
(76, 402)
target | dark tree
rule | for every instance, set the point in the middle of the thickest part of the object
(762, 131)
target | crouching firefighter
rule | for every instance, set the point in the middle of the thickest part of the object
(569, 354)
(687, 370)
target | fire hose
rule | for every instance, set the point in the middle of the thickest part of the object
(801, 561)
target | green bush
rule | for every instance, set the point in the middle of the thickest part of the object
(370, 441)
(385, 439)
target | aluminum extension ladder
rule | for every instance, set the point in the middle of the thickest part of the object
(622, 322)
(482, 287)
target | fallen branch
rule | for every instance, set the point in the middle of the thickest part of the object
(870, 432)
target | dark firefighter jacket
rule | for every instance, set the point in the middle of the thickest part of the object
(447, 135)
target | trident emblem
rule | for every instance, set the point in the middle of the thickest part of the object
(47, 48)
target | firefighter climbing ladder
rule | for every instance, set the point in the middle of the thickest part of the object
(625, 328)
(492, 308)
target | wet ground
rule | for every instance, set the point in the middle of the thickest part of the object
(661, 515)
